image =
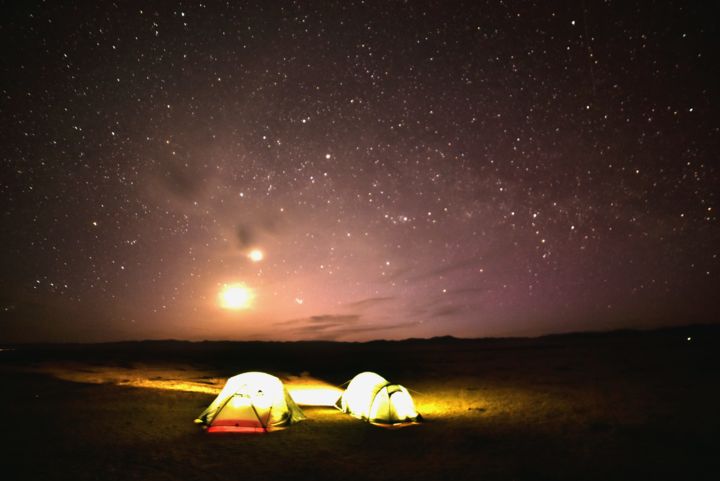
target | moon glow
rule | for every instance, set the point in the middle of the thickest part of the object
(256, 255)
(235, 297)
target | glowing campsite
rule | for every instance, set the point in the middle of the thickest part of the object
(256, 402)
(492, 409)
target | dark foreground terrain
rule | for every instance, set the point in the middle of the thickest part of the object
(625, 405)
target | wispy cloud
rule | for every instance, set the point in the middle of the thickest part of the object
(335, 327)
(447, 311)
(369, 302)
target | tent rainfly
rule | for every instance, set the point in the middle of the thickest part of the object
(252, 402)
(371, 397)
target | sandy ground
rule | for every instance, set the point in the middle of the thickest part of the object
(621, 406)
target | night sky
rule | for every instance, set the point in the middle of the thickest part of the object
(407, 169)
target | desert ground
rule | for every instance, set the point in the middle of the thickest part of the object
(621, 405)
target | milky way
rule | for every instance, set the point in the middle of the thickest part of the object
(407, 169)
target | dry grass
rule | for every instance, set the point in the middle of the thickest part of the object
(622, 407)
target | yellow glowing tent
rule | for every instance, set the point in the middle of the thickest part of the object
(252, 402)
(371, 397)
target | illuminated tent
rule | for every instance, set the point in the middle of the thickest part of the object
(371, 397)
(252, 402)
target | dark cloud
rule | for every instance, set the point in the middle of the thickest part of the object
(326, 326)
(321, 319)
(246, 235)
(182, 180)
(447, 311)
(376, 328)
(369, 302)
(336, 327)
(319, 323)
(250, 233)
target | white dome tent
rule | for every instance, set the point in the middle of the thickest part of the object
(252, 402)
(371, 397)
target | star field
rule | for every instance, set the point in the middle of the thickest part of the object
(406, 169)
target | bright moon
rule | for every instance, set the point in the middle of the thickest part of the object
(235, 296)
(256, 255)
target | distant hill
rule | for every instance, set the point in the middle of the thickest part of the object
(285, 351)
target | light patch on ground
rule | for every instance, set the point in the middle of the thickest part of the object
(175, 378)
(304, 389)
(432, 400)
(309, 391)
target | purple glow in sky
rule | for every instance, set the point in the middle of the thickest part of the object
(405, 169)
